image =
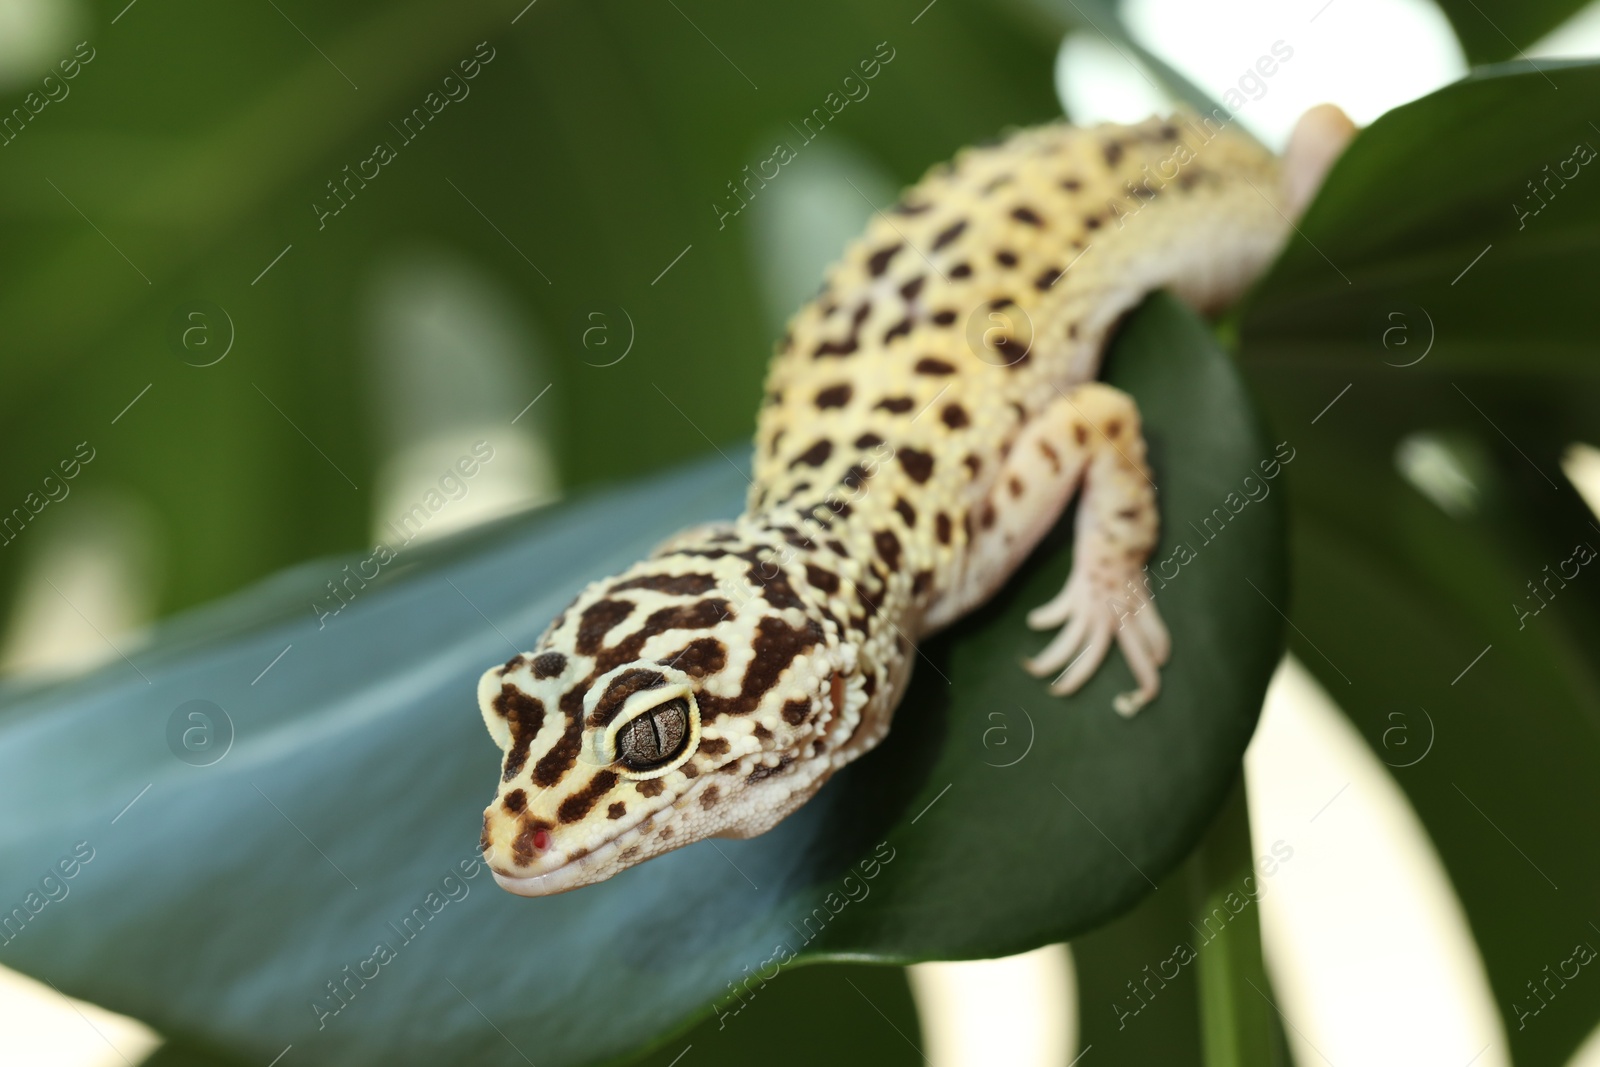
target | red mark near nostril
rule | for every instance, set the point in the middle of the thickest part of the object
(541, 840)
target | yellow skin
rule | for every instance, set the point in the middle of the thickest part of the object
(928, 417)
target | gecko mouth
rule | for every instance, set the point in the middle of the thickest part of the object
(585, 869)
(567, 876)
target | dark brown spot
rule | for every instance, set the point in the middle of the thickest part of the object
(708, 797)
(1080, 433)
(1006, 258)
(907, 513)
(714, 746)
(776, 645)
(597, 620)
(549, 664)
(936, 367)
(516, 801)
(944, 318)
(954, 416)
(835, 396)
(868, 440)
(899, 405)
(1113, 151)
(888, 548)
(1014, 486)
(1051, 455)
(910, 289)
(525, 716)
(986, 520)
(878, 262)
(1047, 278)
(961, 270)
(822, 579)
(1113, 427)
(762, 733)
(917, 465)
(651, 787)
(676, 584)
(949, 234)
(815, 456)
(578, 804)
(617, 810)
(899, 329)
(795, 711)
(1027, 215)
(700, 657)
(941, 528)
(904, 208)
(852, 480)
(773, 581)
(974, 464)
(621, 688)
(1091, 222)
(921, 582)
(1071, 185)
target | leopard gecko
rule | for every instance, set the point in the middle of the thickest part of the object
(927, 418)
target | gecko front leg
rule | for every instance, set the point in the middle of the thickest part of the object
(1091, 436)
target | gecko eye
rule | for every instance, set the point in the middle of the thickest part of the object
(654, 738)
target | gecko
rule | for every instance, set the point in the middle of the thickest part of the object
(926, 420)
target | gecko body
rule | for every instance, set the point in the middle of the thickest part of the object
(927, 418)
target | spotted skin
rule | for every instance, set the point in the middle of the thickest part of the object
(927, 418)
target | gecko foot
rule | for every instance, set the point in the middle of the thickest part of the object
(1090, 611)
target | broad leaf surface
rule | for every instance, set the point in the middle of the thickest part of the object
(230, 891)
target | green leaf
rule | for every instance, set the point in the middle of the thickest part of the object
(200, 136)
(224, 901)
(1420, 301)
(1492, 30)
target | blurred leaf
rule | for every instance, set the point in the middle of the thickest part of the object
(1492, 30)
(1420, 299)
(592, 149)
(870, 1018)
(230, 890)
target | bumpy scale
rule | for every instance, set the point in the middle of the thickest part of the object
(928, 417)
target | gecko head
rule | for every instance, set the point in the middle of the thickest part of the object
(651, 716)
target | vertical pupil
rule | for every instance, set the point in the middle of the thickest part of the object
(654, 737)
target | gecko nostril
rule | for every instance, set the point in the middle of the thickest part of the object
(530, 843)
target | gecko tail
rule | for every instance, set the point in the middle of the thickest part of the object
(1317, 141)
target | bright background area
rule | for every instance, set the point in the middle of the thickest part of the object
(1367, 894)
